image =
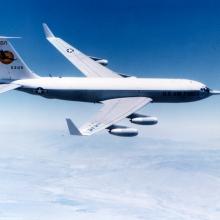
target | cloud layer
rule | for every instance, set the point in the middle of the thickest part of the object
(52, 176)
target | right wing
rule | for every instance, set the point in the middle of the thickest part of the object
(113, 111)
(84, 63)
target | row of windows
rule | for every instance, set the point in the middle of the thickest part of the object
(180, 94)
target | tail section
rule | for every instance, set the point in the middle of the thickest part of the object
(12, 67)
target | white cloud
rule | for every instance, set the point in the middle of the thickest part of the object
(49, 176)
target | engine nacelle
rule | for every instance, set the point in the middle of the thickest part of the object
(142, 119)
(123, 131)
(101, 61)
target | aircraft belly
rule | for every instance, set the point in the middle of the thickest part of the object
(90, 95)
(101, 95)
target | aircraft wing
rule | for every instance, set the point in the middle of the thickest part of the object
(113, 111)
(84, 63)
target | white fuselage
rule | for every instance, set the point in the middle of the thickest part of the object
(99, 89)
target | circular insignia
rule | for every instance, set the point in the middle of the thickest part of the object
(6, 57)
(40, 90)
(70, 50)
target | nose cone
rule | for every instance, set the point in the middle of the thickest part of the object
(214, 92)
(196, 85)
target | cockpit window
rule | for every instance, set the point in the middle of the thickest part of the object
(205, 89)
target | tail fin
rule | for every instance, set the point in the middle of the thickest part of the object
(12, 67)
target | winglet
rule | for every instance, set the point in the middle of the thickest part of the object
(47, 31)
(72, 128)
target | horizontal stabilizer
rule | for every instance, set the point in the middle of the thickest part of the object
(5, 37)
(72, 128)
(8, 87)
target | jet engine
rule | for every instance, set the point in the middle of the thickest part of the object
(101, 61)
(122, 131)
(142, 119)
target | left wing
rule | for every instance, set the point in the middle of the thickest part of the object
(84, 63)
(113, 111)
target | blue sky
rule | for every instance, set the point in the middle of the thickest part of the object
(142, 38)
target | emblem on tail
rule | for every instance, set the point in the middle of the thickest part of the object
(12, 66)
(6, 57)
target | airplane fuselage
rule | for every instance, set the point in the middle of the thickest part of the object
(122, 96)
(99, 89)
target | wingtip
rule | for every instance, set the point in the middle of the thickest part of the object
(48, 33)
(73, 130)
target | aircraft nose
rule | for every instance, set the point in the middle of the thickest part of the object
(214, 92)
(205, 89)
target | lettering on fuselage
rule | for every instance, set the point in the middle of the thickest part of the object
(183, 94)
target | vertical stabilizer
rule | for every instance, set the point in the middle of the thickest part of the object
(12, 67)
